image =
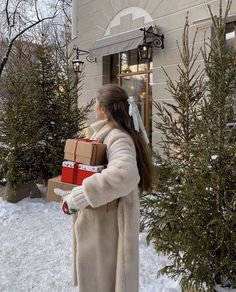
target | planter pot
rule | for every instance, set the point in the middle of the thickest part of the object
(21, 191)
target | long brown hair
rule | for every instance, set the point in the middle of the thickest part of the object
(115, 100)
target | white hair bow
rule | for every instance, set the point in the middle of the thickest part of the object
(138, 123)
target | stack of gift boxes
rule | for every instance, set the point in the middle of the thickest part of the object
(82, 158)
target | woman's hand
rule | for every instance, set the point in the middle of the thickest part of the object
(72, 201)
(67, 205)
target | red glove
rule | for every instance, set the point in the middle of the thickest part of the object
(65, 208)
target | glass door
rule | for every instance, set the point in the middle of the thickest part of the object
(136, 79)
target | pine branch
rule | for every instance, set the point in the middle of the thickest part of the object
(189, 216)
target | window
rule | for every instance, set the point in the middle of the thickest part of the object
(136, 79)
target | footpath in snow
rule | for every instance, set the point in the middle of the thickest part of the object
(36, 251)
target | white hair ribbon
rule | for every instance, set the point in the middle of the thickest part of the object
(137, 120)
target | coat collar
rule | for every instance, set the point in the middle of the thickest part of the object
(101, 129)
(98, 125)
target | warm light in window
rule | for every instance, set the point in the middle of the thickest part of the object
(143, 95)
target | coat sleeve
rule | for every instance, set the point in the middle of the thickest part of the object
(121, 175)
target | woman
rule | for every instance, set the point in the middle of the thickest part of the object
(107, 227)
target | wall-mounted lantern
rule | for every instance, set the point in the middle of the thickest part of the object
(78, 65)
(150, 38)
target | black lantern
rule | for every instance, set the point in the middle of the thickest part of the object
(150, 38)
(145, 52)
(78, 65)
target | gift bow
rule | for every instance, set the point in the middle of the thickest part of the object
(137, 120)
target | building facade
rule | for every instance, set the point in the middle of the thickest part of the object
(110, 31)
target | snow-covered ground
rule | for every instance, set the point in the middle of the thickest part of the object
(36, 251)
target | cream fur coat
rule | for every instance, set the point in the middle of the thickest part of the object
(106, 240)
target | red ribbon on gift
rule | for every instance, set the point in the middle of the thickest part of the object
(84, 140)
(75, 172)
(76, 145)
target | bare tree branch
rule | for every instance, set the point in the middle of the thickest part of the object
(36, 9)
(15, 12)
(66, 5)
(10, 25)
(7, 12)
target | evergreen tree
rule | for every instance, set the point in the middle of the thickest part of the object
(217, 148)
(40, 113)
(57, 112)
(17, 116)
(191, 214)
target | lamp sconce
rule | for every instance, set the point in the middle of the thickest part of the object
(150, 38)
(78, 65)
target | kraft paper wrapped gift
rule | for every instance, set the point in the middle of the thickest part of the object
(56, 182)
(85, 151)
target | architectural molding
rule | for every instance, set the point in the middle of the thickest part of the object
(130, 14)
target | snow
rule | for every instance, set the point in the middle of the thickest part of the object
(36, 251)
